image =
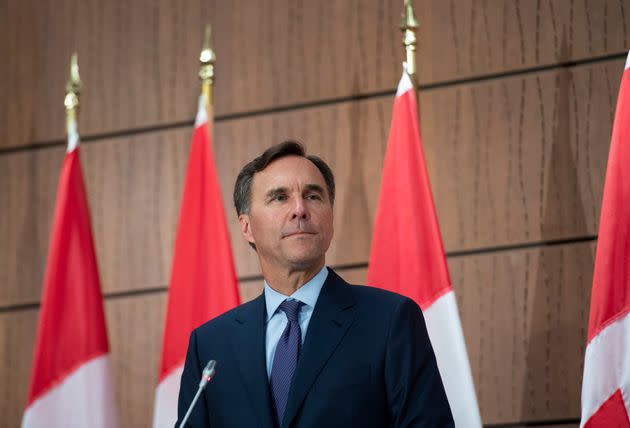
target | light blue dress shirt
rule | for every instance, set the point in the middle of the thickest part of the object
(277, 320)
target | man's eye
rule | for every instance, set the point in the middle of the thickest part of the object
(314, 197)
(279, 198)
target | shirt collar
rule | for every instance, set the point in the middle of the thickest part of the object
(307, 294)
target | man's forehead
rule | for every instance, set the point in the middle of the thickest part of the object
(289, 171)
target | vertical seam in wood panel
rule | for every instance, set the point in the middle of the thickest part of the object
(548, 330)
(453, 10)
(583, 316)
(290, 51)
(589, 29)
(378, 68)
(623, 20)
(513, 313)
(471, 37)
(493, 356)
(476, 159)
(571, 23)
(484, 6)
(537, 37)
(521, 172)
(504, 36)
(605, 29)
(561, 338)
(543, 150)
(587, 148)
(578, 134)
(301, 46)
(521, 32)
(529, 381)
(455, 165)
(264, 54)
(508, 206)
(482, 328)
(554, 27)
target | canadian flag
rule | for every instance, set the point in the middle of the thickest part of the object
(407, 255)
(71, 382)
(203, 281)
(606, 381)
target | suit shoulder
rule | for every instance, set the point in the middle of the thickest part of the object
(225, 320)
(367, 293)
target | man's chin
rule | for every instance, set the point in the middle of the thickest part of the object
(305, 261)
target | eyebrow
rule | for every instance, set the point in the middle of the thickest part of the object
(315, 188)
(275, 192)
(283, 190)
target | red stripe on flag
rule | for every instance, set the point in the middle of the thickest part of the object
(610, 297)
(71, 329)
(203, 280)
(407, 255)
(611, 414)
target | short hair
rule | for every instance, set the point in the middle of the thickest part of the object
(243, 185)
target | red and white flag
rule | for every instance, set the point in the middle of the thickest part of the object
(407, 255)
(606, 381)
(71, 380)
(203, 281)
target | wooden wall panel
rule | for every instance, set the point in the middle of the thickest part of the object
(17, 333)
(525, 316)
(134, 187)
(471, 38)
(135, 326)
(28, 183)
(520, 159)
(513, 160)
(139, 59)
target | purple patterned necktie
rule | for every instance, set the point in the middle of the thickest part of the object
(286, 357)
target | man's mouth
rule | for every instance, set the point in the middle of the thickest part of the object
(298, 233)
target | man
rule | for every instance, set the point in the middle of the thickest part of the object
(312, 350)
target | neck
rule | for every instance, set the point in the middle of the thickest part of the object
(287, 280)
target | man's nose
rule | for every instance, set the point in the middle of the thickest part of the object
(299, 210)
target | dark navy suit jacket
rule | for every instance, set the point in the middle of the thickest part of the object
(366, 361)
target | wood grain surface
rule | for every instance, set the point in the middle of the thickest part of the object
(139, 60)
(516, 160)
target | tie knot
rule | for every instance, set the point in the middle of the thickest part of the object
(291, 309)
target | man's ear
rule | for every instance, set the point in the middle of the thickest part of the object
(246, 229)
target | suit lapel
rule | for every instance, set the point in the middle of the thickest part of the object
(249, 348)
(330, 321)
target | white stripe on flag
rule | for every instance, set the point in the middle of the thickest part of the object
(404, 85)
(166, 394)
(202, 114)
(447, 339)
(85, 398)
(73, 136)
(606, 367)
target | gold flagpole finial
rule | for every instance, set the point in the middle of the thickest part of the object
(409, 25)
(207, 59)
(73, 90)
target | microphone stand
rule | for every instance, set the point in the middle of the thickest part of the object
(206, 376)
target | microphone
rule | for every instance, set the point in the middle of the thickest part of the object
(206, 376)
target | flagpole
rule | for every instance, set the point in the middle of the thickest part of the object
(408, 26)
(73, 90)
(207, 59)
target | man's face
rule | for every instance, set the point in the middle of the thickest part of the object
(290, 219)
